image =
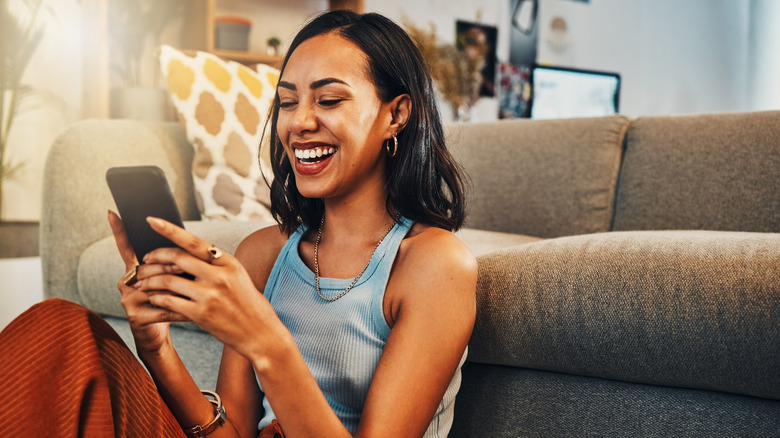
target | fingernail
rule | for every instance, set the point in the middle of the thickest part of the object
(153, 221)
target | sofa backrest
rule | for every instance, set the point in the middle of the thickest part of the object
(544, 178)
(705, 172)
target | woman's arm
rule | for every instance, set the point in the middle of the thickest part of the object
(150, 329)
(431, 306)
(236, 383)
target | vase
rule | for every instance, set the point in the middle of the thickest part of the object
(462, 114)
(141, 103)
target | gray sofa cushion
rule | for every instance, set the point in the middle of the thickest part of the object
(544, 178)
(693, 309)
(714, 172)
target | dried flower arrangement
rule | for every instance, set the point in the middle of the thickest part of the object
(456, 72)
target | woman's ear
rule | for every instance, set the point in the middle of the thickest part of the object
(401, 108)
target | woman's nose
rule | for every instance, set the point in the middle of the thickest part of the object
(303, 119)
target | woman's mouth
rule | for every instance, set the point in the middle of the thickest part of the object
(314, 155)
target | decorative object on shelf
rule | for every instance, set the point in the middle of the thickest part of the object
(273, 45)
(19, 39)
(222, 106)
(457, 73)
(232, 33)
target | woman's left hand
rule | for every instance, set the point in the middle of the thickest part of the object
(222, 299)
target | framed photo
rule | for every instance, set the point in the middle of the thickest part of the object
(514, 91)
(479, 42)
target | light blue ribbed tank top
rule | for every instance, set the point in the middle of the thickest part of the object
(341, 341)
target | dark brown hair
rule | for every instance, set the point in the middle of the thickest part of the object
(425, 183)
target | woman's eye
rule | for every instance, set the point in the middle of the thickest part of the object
(287, 103)
(330, 102)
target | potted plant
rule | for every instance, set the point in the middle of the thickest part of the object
(132, 24)
(456, 72)
(273, 45)
(19, 39)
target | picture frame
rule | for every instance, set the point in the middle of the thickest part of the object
(479, 40)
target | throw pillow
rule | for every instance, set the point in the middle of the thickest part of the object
(222, 106)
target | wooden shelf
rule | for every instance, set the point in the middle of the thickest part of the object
(249, 57)
(201, 31)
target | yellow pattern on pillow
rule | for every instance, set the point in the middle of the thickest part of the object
(222, 106)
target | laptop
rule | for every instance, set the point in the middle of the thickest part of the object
(559, 92)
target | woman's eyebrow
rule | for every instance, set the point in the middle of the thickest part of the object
(327, 81)
(287, 85)
(314, 85)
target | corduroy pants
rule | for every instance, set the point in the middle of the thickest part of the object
(64, 372)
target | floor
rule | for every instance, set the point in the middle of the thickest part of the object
(21, 286)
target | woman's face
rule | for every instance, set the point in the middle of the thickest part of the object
(331, 121)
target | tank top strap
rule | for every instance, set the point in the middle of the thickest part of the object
(388, 249)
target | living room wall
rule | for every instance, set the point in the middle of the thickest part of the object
(676, 57)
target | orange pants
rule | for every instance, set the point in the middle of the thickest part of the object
(65, 372)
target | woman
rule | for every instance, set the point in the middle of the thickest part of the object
(354, 314)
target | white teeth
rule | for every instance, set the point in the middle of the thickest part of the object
(306, 154)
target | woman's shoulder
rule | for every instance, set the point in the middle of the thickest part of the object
(425, 240)
(435, 261)
(438, 250)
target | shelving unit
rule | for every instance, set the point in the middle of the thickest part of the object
(201, 31)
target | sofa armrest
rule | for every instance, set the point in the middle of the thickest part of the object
(695, 309)
(76, 197)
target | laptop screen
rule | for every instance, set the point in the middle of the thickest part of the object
(566, 92)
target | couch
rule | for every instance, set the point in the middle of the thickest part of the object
(629, 269)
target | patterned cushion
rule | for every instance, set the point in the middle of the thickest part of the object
(222, 106)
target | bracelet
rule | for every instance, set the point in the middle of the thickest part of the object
(198, 431)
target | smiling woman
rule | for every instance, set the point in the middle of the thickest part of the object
(361, 297)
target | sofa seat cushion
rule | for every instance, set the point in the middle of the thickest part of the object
(100, 265)
(695, 309)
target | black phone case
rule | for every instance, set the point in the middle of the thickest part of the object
(139, 192)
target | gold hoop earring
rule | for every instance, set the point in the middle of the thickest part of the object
(391, 153)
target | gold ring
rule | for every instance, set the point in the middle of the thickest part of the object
(130, 276)
(214, 253)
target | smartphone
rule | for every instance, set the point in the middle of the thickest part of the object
(140, 192)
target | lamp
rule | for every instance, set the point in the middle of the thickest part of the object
(524, 15)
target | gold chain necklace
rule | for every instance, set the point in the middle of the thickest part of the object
(317, 265)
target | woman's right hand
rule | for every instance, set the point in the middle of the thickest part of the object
(149, 333)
